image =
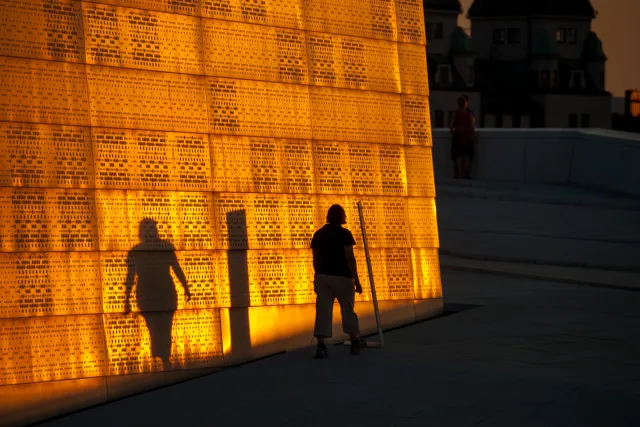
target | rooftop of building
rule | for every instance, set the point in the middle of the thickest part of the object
(508, 8)
(446, 5)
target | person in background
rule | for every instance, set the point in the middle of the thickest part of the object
(463, 128)
(336, 276)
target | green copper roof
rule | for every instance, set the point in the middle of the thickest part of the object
(460, 42)
(543, 44)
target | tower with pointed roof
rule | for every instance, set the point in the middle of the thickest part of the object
(539, 64)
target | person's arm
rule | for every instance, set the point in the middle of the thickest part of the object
(129, 282)
(175, 265)
(452, 121)
(353, 267)
(473, 125)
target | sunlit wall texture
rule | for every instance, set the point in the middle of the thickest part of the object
(153, 146)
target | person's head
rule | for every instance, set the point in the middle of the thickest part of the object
(336, 215)
(148, 230)
(463, 102)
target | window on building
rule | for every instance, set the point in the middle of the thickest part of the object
(440, 119)
(449, 117)
(489, 121)
(585, 121)
(554, 79)
(632, 99)
(577, 79)
(571, 35)
(525, 121)
(472, 75)
(561, 35)
(516, 121)
(438, 31)
(573, 120)
(498, 120)
(443, 74)
(514, 36)
(499, 36)
(544, 79)
(428, 28)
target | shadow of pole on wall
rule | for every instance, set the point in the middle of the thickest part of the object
(239, 286)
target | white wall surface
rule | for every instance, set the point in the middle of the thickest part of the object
(595, 158)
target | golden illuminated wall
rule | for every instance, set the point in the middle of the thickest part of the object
(234, 124)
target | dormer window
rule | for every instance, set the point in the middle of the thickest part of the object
(567, 35)
(544, 79)
(499, 36)
(577, 80)
(554, 79)
(514, 36)
(443, 74)
(435, 31)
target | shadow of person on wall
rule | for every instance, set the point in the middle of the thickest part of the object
(149, 266)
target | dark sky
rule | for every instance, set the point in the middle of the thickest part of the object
(618, 25)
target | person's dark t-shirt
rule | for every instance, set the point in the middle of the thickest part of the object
(328, 244)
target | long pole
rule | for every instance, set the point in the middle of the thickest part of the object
(370, 270)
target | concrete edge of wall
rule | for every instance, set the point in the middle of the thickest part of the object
(290, 328)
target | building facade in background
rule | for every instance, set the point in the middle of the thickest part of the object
(450, 60)
(527, 63)
(629, 121)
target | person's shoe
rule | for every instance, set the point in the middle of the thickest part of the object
(355, 347)
(322, 352)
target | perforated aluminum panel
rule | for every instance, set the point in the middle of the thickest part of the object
(51, 348)
(352, 62)
(357, 116)
(37, 220)
(419, 167)
(45, 156)
(130, 159)
(243, 107)
(410, 21)
(185, 7)
(42, 29)
(261, 221)
(262, 165)
(195, 340)
(277, 13)
(245, 51)
(422, 222)
(142, 39)
(43, 92)
(49, 283)
(185, 219)
(350, 168)
(413, 69)
(426, 273)
(370, 18)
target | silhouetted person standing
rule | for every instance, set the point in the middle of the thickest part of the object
(336, 276)
(463, 129)
(150, 262)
